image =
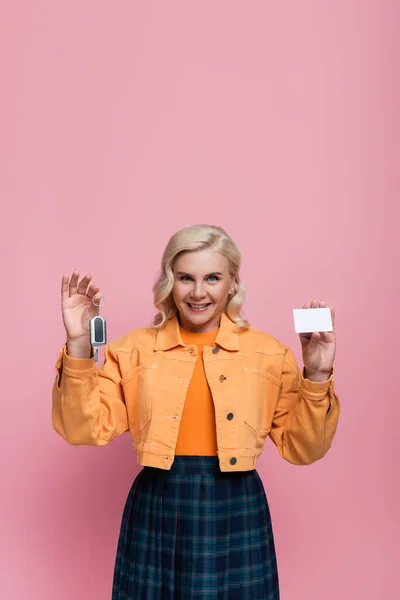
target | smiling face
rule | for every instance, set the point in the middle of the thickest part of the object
(202, 283)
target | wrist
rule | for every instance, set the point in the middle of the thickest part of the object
(79, 348)
(318, 376)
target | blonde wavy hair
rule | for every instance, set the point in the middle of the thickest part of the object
(192, 239)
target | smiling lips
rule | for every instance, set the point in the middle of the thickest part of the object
(198, 307)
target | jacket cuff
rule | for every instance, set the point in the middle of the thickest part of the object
(75, 364)
(316, 390)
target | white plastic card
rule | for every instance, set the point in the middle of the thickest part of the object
(308, 320)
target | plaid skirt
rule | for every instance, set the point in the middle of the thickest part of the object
(196, 532)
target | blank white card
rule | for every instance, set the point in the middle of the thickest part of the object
(308, 320)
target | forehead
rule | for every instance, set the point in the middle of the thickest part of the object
(201, 262)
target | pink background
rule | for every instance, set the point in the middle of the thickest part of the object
(123, 121)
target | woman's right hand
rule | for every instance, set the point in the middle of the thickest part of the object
(77, 306)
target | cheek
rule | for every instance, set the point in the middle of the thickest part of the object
(177, 293)
(222, 296)
(174, 295)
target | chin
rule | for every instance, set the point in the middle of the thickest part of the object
(201, 320)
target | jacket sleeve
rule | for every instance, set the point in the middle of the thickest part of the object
(306, 415)
(88, 405)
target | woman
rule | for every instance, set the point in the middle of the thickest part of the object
(199, 390)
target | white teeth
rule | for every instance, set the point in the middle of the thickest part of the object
(198, 305)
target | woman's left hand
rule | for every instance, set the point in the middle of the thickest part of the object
(319, 348)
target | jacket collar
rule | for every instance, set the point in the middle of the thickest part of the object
(169, 336)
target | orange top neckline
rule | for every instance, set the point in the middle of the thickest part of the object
(203, 338)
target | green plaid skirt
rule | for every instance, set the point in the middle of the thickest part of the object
(196, 532)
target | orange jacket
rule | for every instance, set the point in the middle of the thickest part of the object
(256, 387)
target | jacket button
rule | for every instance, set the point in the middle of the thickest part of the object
(233, 461)
(215, 350)
(229, 416)
(222, 378)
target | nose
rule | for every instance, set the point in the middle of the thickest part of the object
(198, 290)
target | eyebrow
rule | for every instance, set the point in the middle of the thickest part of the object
(208, 274)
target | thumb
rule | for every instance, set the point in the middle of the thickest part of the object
(314, 340)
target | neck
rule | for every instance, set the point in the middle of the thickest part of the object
(202, 328)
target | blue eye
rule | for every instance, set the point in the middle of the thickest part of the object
(210, 278)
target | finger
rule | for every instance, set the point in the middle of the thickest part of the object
(322, 304)
(312, 341)
(64, 287)
(326, 336)
(314, 303)
(92, 291)
(333, 315)
(82, 287)
(304, 338)
(73, 282)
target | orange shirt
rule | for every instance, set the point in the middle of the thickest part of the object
(197, 433)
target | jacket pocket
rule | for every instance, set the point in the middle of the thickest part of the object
(261, 396)
(138, 388)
